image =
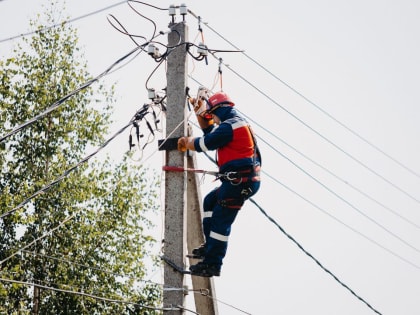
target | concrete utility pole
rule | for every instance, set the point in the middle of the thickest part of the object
(183, 201)
(175, 182)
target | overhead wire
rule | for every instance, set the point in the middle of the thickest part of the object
(325, 138)
(325, 169)
(358, 135)
(313, 204)
(38, 238)
(313, 258)
(375, 222)
(96, 297)
(341, 198)
(124, 30)
(65, 98)
(347, 202)
(64, 22)
(75, 263)
(66, 173)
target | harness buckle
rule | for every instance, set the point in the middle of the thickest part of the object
(229, 176)
(232, 176)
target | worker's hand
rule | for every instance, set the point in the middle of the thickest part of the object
(182, 144)
(198, 105)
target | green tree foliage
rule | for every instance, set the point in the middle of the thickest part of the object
(102, 247)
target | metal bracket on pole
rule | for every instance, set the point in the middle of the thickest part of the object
(168, 144)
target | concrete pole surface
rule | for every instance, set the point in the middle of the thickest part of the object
(175, 182)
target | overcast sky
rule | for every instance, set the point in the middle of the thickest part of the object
(337, 123)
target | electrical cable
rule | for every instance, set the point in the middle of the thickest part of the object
(333, 217)
(387, 230)
(347, 202)
(312, 257)
(148, 4)
(227, 304)
(73, 263)
(314, 104)
(343, 223)
(99, 298)
(39, 238)
(342, 199)
(62, 100)
(394, 212)
(64, 22)
(326, 139)
(146, 18)
(124, 31)
(66, 173)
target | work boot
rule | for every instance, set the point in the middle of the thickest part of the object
(204, 270)
(199, 252)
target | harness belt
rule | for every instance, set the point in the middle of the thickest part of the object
(235, 177)
(243, 176)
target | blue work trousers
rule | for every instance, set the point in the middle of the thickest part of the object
(221, 207)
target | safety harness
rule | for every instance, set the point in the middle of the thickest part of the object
(228, 176)
(250, 173)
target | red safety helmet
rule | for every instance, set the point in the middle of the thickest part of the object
(218, 99)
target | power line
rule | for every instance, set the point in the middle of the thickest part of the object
(313, 103)
(73, 263)
(62, 100)
(313, 204)
(343, 223)
(326, 139)
(96, 297)
(342, 199)
(396, 213)
(62, 23)
(312, 257)
(66, 173)
(39, 238)
(334, 218)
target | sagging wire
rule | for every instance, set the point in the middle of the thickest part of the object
(143, 16)
(150, 5)
(300, 94)
(62, 23)
(305, 251)
(325, 169)
(75, 263)
(39, 238)
(65, 98)
(312, 257)
(323, 210)
(99, 298)
(124, 30)
(335, 145)
(66, 173)
(84, 86)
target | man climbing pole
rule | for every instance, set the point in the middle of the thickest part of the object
(239, 162)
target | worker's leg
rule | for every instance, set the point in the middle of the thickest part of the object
(229, 201)
(209, 203)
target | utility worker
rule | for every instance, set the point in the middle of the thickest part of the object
(239, 162)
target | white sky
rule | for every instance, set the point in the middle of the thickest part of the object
(359, 62)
